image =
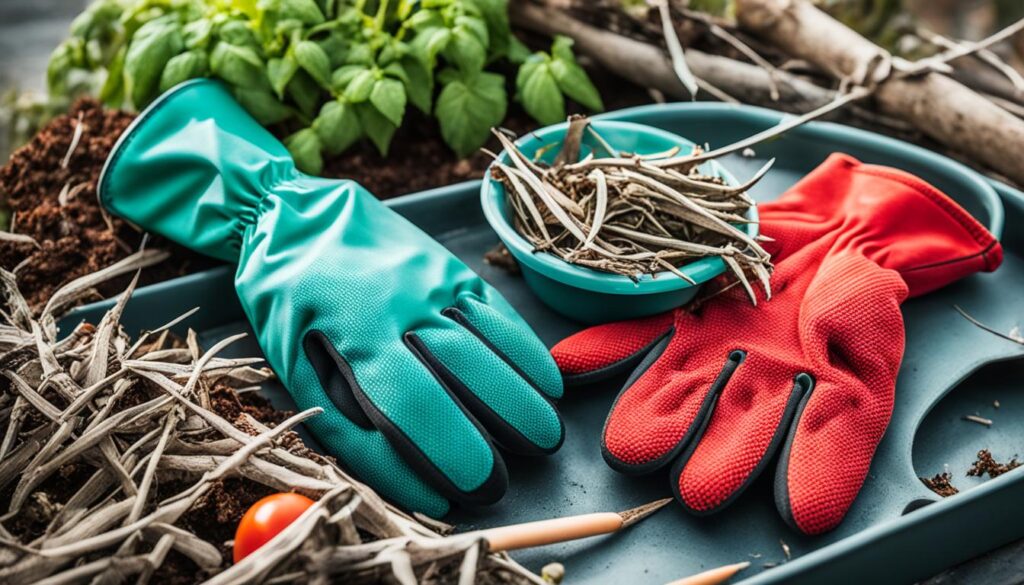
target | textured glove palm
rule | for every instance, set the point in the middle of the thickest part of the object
(811, 371)
(417, 362)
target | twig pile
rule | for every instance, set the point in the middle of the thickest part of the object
(632, 214)
(136, 418)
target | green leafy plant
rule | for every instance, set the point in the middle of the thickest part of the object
(337, 70)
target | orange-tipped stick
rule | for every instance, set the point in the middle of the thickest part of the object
(714, 576)
(543, 532)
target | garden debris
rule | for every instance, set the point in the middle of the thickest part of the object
(112, 468)
(785, 550)
(1014, 334)
(978, 419)
(553, 573)
(58, 230)
(987, 464)
(631, 214)
(941, 484)
(500, 257)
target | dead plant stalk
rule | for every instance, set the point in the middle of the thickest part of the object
(136, 416)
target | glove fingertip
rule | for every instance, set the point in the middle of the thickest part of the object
(605, 350)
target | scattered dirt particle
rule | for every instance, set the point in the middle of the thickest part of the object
(941, 484)
(500, 257)
(987, 464)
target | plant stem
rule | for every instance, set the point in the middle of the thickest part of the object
(382, 13)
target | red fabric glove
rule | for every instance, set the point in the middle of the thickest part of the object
(812, 370)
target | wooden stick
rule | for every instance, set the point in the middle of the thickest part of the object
(940, 107)
(542, 532)
(714, 576)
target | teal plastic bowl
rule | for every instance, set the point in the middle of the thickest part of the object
(587, 295)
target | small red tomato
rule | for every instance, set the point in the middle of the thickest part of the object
(265, 519)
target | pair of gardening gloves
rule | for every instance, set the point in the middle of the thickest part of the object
(421, 367)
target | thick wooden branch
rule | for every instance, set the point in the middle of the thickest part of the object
(938, 106)
(649, 66)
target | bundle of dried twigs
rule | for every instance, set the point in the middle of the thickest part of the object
(137, 417)
(632, 214)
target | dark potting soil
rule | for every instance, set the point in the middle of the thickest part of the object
(74, 237)
(941, 484)
(986, 464)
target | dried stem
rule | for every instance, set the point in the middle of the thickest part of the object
(137, 416)
(632, 214)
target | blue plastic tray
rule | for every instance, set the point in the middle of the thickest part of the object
(897, 531)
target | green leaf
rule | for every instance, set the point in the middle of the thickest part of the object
(337, 126)
(573, 82)
(424, 19)
(561, 48)
(388, 96)
(305, 92)
(112, 92)
(539, 93)
(82, 25)
(475, 26)
(315, 61)
(152, 47)
(429, 42)
(61, 63)
(280, 71)
(305, 148)
(419, 84)
(98, 19)
(392, 52)
(288, 27)
(466, 51)
(263, 106)
(379, 129)
(359, 88)
(396, 71)
(197, 33)
(468, 107)
(188, 65)
(306, 11)
(344, 75)
(238, 33)
(495, 14)
(336, 48)
(359, 54)
(239, 66)
(518, 53)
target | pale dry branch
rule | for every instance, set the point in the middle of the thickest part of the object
(137, 416)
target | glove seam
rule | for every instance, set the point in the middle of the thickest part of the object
(990, 263)
(977, 232)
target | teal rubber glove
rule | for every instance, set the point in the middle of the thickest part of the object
(419, 365)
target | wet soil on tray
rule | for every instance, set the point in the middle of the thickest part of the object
(56, 204)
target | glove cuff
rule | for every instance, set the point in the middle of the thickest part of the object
(194, 167)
